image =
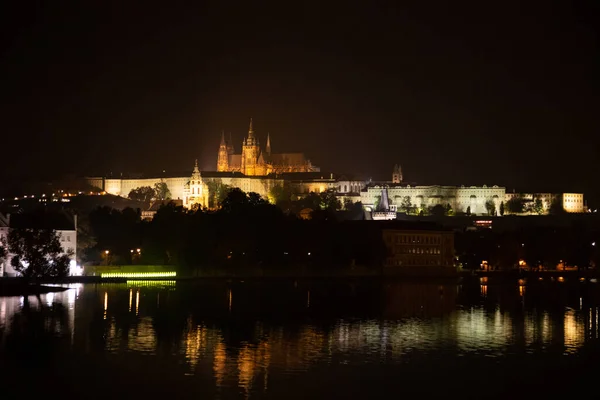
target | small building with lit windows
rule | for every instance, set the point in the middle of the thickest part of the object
(419, 251)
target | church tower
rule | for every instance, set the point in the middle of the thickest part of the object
(223, 158)
(250, 153)
(268, 147)
(230, 149)
(397, 174)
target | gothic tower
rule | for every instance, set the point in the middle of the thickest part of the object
(250, 153)
(268, 146)
(397, 174)
(230, 149)
(223, 158)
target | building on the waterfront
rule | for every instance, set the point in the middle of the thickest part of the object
(408, 248)
(63, 224)
(254, 161)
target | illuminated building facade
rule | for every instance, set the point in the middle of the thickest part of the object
(254, 161)
(419, 248)
(571, 202)
(461, 199)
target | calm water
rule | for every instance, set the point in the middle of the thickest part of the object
(301, 340)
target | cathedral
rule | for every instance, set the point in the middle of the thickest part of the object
(253, 161)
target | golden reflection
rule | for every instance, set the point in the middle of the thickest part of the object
(573, 331)
(546, 328)
(252, 360)
(220, 363)
(105, 303)
(195, 344)
(130, 298)
(484, 290)
(521, 290)
(230, 296)
(137, 302)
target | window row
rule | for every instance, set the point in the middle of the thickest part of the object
(417, 250)
(417, 239)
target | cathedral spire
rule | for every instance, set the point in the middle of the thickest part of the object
(268, 147)
(222, 138)
(250, 130)
(230, 149)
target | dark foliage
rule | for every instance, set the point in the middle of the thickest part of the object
(37, 253)
(246, 231)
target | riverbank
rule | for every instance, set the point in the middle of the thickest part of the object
(17, 287)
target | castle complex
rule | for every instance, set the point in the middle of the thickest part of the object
(257, 170)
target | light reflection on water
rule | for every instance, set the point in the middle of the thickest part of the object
(246, 343)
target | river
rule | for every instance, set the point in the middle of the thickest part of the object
(301, 339)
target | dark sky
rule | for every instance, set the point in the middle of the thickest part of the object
(464, 92)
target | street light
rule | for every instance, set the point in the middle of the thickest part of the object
(106, 252)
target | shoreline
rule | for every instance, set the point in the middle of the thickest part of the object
(11, 286)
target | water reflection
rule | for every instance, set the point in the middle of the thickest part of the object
(257, 341)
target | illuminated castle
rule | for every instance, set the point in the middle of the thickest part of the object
(253, 161)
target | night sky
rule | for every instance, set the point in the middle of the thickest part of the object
(464, 92)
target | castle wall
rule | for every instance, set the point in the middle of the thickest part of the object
(122, 187)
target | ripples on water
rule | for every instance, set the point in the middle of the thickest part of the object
(294, 338)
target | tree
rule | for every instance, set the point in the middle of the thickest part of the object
(502, 208)
(448, 209)
(217, 192)
(329, 201)
(515, 205)
(142, 194)
(490, 206)
(280, 194)
(161, 191)
(406, 205)
(377, 202)
(254, 199)
(438, 210)
(556, 207)
(37, 253)
(3, 252)
(348, 203)
(85, 238)
(468, 211)
(538, 206)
